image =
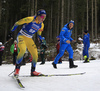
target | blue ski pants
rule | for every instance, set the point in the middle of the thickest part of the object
(64, 47)
(85, 51)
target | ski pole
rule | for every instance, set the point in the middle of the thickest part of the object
(11, 73)
(7, 41)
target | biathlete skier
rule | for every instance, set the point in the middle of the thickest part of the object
(65, 39)
(31, 25)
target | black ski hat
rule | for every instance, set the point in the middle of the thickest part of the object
(85, 31)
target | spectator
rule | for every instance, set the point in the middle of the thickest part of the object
(42, 51)
(14, 50)
(1, 52)
(58, 47)
(86, 42)
(65, 39)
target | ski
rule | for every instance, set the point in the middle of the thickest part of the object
(18, 81)
(43, 75)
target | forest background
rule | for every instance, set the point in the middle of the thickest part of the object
(85, 14)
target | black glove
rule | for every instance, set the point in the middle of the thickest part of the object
(9, 36)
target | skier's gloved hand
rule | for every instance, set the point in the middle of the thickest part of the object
(9, 36)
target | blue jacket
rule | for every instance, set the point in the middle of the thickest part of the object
(86, 40)
(65, 34)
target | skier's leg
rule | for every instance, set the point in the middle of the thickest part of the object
(71, 62)
(86, 57)
(60, 54)
(42, 59)
(70, 51)
(33, 51)
(14, 58)
(22, 47)
(87, 53)
(84, 53)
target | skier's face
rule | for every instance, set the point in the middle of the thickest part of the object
(15, 42)
(58, 39)
(42, 17)
(71, 25)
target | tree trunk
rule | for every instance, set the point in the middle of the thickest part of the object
(87, 14)
(32, 7)
(6, 22)
(29, 7)
(68, 11)
(62, 14)
(75, 30)
(35, 6)
(58, 18)
(72, 10)
(0, 10)
(48, 29)
(96, 19)
(51, 23)
(72, 18)
(82, 25)
(92, 21)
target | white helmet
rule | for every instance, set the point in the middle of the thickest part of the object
(0, 43)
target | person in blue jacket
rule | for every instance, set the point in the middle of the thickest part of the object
(86, 42)
(65, 39)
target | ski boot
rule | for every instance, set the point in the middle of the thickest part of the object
(54, 65)
(71, 64)
(34, 73)
(86, 59)
(16, 74)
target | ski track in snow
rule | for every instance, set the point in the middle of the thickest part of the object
(90, 81)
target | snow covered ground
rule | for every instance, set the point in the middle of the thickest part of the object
(90, 81)
(87, 82)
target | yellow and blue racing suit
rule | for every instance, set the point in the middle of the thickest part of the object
(30, 26)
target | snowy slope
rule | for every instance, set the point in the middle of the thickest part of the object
(87, 82)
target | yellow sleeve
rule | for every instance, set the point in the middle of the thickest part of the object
(41, 29)
(25, 20)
